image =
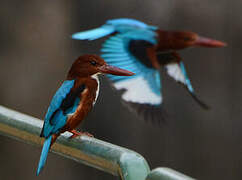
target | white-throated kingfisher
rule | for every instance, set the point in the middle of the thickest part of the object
(144, 49)
(74, 99)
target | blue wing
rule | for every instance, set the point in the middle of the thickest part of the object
(55, 118)
(94, 33)
(145, 86)
(116, 25)
(64, 102)
(123, 25)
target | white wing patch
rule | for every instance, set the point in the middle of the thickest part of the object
(138, 91)
(175, 72)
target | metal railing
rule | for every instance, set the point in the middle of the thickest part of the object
(119, 161)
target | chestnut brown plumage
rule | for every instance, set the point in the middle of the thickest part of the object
(74, 99)
(145, 49)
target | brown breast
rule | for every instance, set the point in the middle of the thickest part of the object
(87, 99)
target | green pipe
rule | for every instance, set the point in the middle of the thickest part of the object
(126, 164)
(166, 174)
(118, 161)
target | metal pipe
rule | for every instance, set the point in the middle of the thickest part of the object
(107, 157)
(118, 161)
(166, 174)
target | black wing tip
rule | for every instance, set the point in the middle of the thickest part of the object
(148, 113)
(197, 99)
(200, 102)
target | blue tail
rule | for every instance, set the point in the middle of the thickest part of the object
(94, 33)
(44, 154)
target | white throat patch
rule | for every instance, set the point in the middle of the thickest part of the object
(95, 77)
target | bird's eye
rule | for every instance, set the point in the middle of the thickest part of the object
(94, 63)
(187, 39)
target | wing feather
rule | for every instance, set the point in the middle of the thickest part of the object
(144, 88)
(64, 102)
(177, 71)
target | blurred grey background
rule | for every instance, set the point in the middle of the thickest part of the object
(36, 52)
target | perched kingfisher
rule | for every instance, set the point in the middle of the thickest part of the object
(74, 99)
(144, 50)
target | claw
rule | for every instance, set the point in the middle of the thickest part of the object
(76, 133)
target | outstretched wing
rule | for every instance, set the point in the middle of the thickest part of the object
(128, 51)
(177, 71)
(94, 33)
(121, 25)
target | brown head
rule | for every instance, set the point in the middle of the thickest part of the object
(88, 65)
(177, 40)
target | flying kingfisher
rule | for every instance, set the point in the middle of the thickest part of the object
(144, 50)
(74, 99)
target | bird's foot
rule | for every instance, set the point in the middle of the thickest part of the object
(76, 133)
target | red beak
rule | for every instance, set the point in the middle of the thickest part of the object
(206, 42)
(114, 70)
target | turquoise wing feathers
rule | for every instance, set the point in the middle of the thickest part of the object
(130, 46)
(145, 86)
(55, 119)
(94, 33)
(116, 25)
